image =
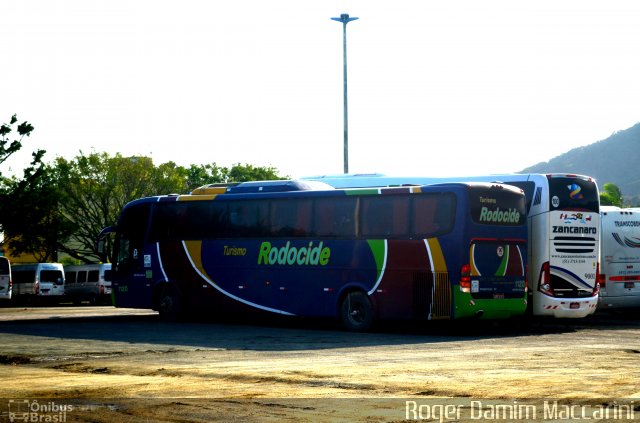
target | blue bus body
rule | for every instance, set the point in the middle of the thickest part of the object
(313, 253)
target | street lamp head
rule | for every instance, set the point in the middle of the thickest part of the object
(344, 18)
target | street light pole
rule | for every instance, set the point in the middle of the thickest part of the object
(345, 19)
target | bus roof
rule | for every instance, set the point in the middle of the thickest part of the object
(362, 180)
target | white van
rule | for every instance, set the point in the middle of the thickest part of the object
(620, 258)
(5, 278)
(89, 282)
(39, 280)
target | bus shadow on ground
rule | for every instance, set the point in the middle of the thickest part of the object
(292, 334)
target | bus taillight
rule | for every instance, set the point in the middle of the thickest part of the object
(544, 283)
(36, 288)
(599, 281)
(465, 278)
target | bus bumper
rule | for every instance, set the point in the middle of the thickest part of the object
(467, 307)
(618, 302)
(564, 308)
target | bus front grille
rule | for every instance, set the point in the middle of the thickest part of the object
(574, 244)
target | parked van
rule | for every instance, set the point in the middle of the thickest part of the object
(38, 281)
(89, 282)
(620, 258)
(5, 279)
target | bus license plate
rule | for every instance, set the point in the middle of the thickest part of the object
(574, 305)
(498, 296)
(629, 285)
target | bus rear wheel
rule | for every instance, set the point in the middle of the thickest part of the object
(170, 304)
(356, 312)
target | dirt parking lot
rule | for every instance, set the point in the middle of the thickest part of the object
(104, 364)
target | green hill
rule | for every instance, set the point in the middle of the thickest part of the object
(615, 159)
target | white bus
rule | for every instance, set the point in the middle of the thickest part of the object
(38, 281)
(564, 234)
(5, 278)
(620, 258)
(88, 282)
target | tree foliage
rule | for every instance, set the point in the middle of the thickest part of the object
(199, 175)
(28, 216)
(94, 188)
(9, 144)
(31, 216)
(63, 207)
(611, 195)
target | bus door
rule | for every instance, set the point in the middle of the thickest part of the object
(132, 276)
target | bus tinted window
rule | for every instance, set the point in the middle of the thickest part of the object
(248, 218)
(290, 217)
(491, 206)
(335, 217)
(528, 187)
(189, 220)
(573, 194)
(433, 215)
(384, 216)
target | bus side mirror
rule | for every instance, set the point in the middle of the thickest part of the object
(100, 245)
(102, 238)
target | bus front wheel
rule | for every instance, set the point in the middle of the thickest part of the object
(356, 312)
(170, 304)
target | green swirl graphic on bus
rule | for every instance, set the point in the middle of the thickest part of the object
(309, 255)
(499, 216)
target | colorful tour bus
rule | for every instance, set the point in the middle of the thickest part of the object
(564, 234)
(286, 247)
(620, 258)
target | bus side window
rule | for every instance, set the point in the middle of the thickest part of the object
(290, 217)
(335, 217)
(433, 215)
(385, 217)
(249, 218)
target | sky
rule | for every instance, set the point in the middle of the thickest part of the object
(437, 88)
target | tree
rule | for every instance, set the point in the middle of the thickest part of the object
(611, 195)
(94, 188)
(9, 146)
(247, 172)
(31, 217)
(26, 216)
(199, 175)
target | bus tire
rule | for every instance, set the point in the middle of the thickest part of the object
(356, 312)
(170, 305)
